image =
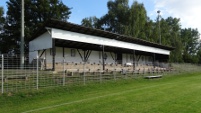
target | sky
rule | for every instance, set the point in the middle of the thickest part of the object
(187, 10)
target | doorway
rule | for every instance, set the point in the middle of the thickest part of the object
(119, 58)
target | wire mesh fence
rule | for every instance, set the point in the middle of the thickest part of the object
(14, 77)
(42, 74)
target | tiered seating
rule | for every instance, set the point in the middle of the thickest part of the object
(88, 67)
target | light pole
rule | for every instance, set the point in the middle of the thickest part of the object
(159, 31)
(22, 37)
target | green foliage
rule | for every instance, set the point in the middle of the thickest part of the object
(148, 30)
(176, 54)
(2, 31)
(170, 35)
(37, 12)
(190, 41)
(114, 20)
(199, 56)
(137, 21)
(2, 18)
(91, 22)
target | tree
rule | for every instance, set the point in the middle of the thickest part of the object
(190, 41)
(137, 21)
(199, 55)
(2, 19)
(37, 12)
(2, 23)
(170, 36)
(176, 54)
(91, 22)
(148, 30)
(116, 18)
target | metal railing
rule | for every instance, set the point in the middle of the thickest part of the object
(37, 74)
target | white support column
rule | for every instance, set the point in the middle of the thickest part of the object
(103, 57)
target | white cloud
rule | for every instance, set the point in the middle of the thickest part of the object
(187, 10)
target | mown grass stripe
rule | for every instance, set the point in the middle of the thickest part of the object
(88, 99)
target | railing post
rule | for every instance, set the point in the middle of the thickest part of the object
(100, 77)
(64, 71)
(37, 73)
(2, 69)
(114, 72)
(84, 73)
(114, 75)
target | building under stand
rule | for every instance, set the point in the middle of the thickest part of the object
(59, 42)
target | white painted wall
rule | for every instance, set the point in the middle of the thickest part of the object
(32, 55)
(109, 59)
(127, 58)
(144, 60)
(67, 35)
(93, 58)
(44, 41)
(47, 55)
(40, 43)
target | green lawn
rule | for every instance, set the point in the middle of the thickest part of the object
(169, 94)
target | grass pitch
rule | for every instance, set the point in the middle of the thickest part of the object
(171, 93)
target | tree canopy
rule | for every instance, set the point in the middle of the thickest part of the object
(2, 23)
(137, 20)
(2, 19)
(114, 20)
(90, 22)
(37, 12)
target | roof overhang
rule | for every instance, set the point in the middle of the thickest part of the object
(101, 41)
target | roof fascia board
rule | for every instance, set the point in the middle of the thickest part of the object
(49, 30)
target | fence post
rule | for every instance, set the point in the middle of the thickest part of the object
(100, 75)
(114, 73)
(37, 72)
(84, 73)
(64, 71)
(2, 69)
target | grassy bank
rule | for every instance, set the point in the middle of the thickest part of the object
(179, 92)
(169, 94)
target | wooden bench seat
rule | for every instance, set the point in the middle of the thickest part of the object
(12, 77)
(152, 77)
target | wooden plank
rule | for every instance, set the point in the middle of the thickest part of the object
(152, 77)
